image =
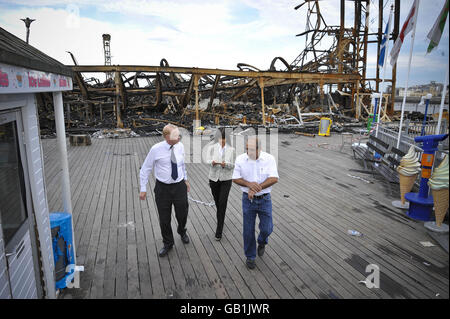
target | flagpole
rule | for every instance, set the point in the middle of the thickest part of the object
(441, 108)
(384, 70)
(413, 36)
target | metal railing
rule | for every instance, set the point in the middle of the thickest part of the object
(413, 129)
(389, 135)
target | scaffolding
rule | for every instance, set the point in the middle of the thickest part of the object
(107, 52)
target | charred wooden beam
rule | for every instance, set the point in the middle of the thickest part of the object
(213, 91)
(304, 77)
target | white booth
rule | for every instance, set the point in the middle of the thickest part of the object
(26, 253)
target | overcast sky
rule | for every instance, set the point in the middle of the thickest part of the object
(198, 33)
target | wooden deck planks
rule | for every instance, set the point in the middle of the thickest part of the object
(309, 254)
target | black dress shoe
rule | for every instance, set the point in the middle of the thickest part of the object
(185, 238)
(261, 250)
(250, 263)
(163, 252)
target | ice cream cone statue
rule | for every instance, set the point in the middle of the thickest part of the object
(408, 171)
(439, 189)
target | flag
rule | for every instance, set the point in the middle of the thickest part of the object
(384, 42)
(436, 32)
(407, 27)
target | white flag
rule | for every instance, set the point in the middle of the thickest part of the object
(407, 27)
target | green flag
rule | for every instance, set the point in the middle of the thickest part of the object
(438, 28)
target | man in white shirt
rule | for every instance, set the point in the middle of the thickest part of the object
(256, 172)
(171, 185)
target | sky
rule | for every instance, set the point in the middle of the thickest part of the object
(210, 34)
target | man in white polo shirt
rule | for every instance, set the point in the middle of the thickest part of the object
(256, 172)
(171, 185)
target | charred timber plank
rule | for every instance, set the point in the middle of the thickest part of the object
(251, 85)
(187, 95)
(213, 92)
(158, 90)
(161, 120)
(123, 92)
(81, 85)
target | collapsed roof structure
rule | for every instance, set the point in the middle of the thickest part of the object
(323, 79)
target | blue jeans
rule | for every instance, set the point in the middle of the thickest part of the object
(263, 208)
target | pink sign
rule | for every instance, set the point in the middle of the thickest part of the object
(20, 80)
(4, 82)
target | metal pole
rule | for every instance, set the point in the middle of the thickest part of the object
(390, 111)
(383, 84)
(413, 36)
(379, 38)
(441, 108)
(61, 145)
(28, 22)
(427, 103)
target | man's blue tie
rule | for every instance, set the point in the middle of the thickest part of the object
(173, 161)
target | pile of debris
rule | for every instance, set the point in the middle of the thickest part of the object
(115, 133)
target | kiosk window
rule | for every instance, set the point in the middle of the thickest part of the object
(12, 189)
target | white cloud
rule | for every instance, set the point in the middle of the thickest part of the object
(190, 33)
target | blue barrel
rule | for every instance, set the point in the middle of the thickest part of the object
(62, 240)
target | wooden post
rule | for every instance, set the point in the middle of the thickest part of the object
(358, 104)
(352, 100)
(68, 114)
(117, 104)
(366, 35)
(86, 112)
(196, 78)
(341, 37)
(322, 95)
(261, 85)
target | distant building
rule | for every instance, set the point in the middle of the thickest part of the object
(432, 88)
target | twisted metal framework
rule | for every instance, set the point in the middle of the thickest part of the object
(335, 56)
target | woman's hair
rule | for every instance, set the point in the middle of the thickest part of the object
(221, 134)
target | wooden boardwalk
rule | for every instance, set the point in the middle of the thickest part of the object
(310, 254)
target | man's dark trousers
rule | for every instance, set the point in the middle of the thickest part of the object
(167, 195)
